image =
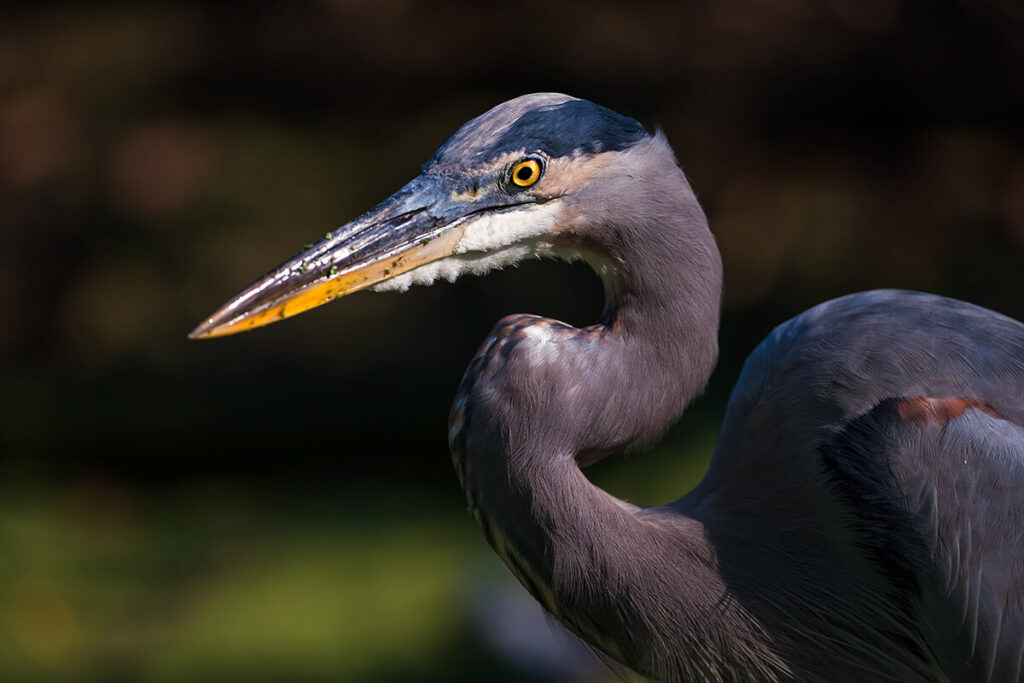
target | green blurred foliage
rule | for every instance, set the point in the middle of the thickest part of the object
(279, 506)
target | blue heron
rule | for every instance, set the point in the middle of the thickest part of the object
(862, 518)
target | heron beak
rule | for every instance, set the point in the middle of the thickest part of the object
(419, 224)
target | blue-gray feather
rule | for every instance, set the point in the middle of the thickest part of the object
(936, 504)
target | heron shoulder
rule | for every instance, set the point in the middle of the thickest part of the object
(843, 357)
(815, 374)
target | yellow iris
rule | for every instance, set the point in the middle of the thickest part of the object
(526, 173)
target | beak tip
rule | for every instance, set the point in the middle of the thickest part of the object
(201, 331)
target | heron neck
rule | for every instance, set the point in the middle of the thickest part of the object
(541, 398)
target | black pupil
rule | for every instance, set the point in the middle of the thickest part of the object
(524, 173)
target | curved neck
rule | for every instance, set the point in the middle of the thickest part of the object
(541, 397)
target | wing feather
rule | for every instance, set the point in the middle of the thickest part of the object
(959, 466)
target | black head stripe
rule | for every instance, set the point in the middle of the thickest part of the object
(576, 125)
(558, 129)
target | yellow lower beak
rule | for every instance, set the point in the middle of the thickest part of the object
(280, 295)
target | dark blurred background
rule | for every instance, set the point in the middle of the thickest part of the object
(280, 505)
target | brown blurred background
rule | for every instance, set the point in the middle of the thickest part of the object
(279, 505)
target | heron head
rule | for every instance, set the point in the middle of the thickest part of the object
(522, 180)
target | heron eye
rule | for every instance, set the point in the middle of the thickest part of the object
(526, 172)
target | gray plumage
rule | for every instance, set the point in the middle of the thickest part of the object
(861, 519)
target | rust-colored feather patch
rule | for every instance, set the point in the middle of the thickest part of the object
(923, 410)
